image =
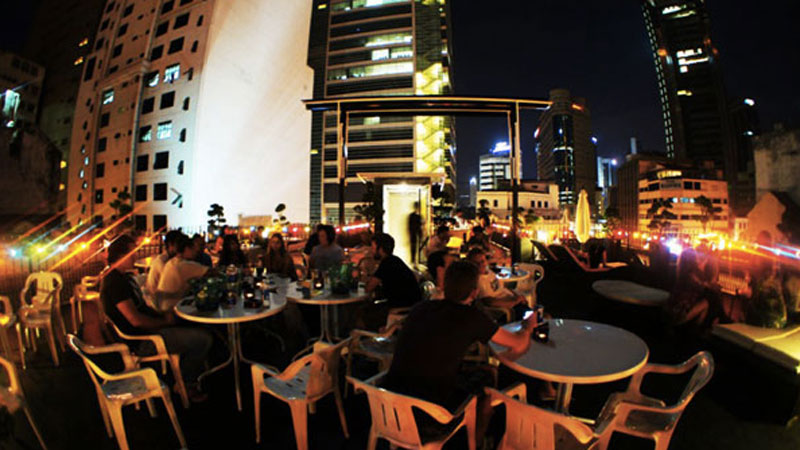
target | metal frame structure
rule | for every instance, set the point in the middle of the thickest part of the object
(430, 106)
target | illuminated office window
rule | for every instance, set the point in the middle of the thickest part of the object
(164, 130)
(151, 79)
(108, 96)
(172, 73)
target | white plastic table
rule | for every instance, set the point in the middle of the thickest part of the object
(507, 275)
(629, 292)
(232, 318)
(578, 352)
(325, 300)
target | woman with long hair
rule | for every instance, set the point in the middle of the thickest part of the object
(231, 252)
(694, 302)
(277, 259)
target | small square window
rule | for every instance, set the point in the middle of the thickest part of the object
(104, 25)
(183, 135)
(194, 46)
(98, 196)
(102, 143)
(167, 6)
(110, 7)
(140, 193)
(146, 133)
(159, 222)
(122, 30)
(167, 100)
(164, 130)
(142, 161)
(186, 104)
(172, 73)
(181, 21)
(161, 161)
(156, 52)
(180, 168)
(140, 222)
(148, 105)
(100, 170)
(200, 20)
(99, 44)
(185, 2)
(151, 79)
(160, 191)
(116, 51)
(175, 46)
(104, 119)
(128, 10)
(162, 29)
(108, 96)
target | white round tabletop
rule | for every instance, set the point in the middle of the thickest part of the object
(236, 314)
(629, 292)
(326, 297)
(507, 275)
(578, 352)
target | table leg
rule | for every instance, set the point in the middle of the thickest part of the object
(563, 397)
(231, 351)
(234, 336)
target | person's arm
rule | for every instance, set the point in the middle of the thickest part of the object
(516, 342)
(372, 284)
(139, 320)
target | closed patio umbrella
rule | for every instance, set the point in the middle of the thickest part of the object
(582, 218)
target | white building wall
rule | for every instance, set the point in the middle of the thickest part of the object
(252, 138)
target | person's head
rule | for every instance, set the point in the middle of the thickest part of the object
(382, 245)
(477, 231)
(687, 264)
(478, 257)
(438, 262)
(276, 243)
(442, 232)
(461, 282)
(120, 253)
(199, 243)
(230, 243)
(327, 235)
(186, 247)
(171, 242)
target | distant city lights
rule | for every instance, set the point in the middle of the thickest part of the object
(501, 147)
(749, 102)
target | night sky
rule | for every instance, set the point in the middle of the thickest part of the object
(599, 50)
(596, 49)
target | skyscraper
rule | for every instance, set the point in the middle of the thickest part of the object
(378, 47)
(192, 102)
(564, 150)
(606, 177)
(744, 128)
(495, 168)
(689, 81)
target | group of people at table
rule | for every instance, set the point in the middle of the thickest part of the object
(433, 338)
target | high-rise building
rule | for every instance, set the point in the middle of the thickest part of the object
(495, 168)
(629, 173)
(744, 128)
(378, 47)
(777, 162)
(606, 177)
(564, 149)
(20, 90)
(689, 81)
(185, 103)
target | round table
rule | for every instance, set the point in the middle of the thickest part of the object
(508, 275)
(578, 352)
(325, 300)
(629, 292)
(232, 318)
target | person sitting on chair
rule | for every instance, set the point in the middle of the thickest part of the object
(124, 304)
(489, 294)
(434, 339)
(157, 265)
(397, 282)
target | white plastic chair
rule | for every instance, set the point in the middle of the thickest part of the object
(531, 427)
(129, 387)
(42, 312)
(300, 385)
(527, 286)
(7, 320)
(633, 413)
(84, 292)
(13, 398)
(393, 418)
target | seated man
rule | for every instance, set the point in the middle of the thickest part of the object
(174, 283)
(125, 306)
(438, 262)
(397, 281)
(328, 253)
(157, 266)
(478, 239)
(439, 241)
(202, 257)
(489, 294)
(434, 339)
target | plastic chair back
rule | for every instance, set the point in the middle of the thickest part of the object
(544, 252)
(97, 374)
(527, 286)
(704, 370)
(531, 427)
(48, 288)
(323, 374)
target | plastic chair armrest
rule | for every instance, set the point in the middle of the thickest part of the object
(157, 340)
(637, 378)
(121, 349)
(519, 391)
(258, 370)
(147, 374)
(295, 367)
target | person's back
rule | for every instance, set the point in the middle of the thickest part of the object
(154, 272)
(399, 285)
(177, 273)
(118, 287)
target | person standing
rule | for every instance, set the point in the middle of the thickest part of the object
(414, 232)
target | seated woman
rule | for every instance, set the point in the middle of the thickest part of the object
(277, 260)
(231, 252)
(694, 302)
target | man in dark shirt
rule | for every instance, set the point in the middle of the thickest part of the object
(124, 304)
(435, 337)
(397, 281)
